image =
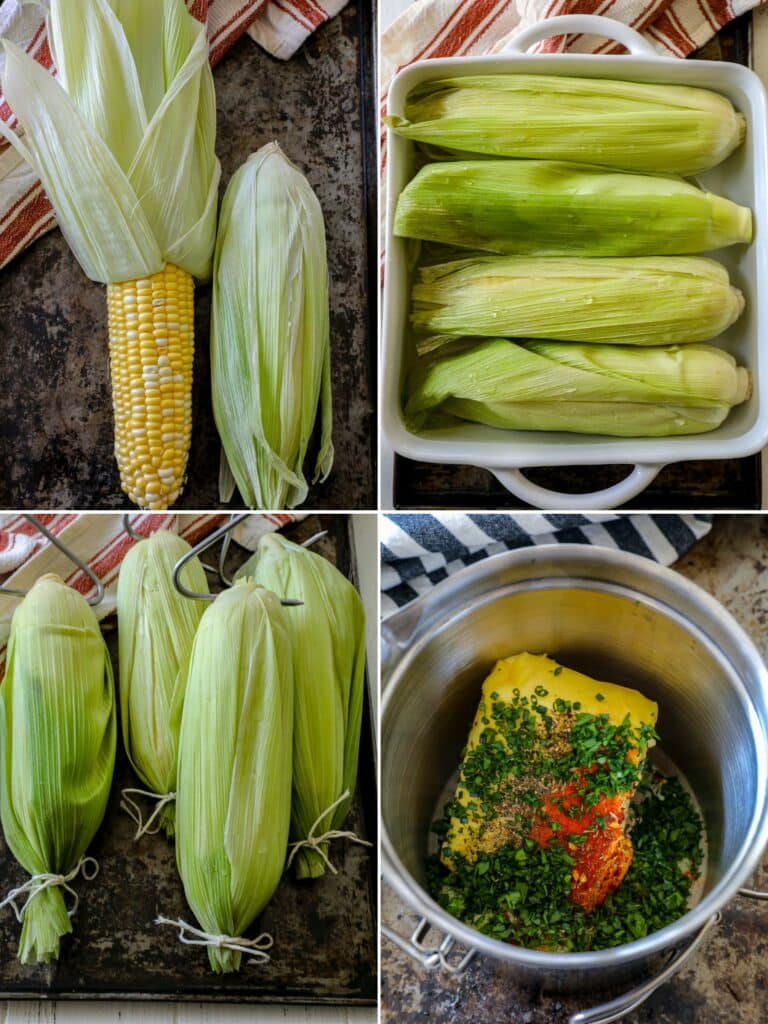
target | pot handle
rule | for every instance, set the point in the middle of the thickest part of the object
(430, 957)
(642, 476)
(754, 894)
(630, 1001)
(585, 24)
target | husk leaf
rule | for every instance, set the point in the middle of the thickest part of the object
(157, 627)
(233, 800)
(57, 737)
(270, 351)
(123, 140)
(591, 389)
(328, 644)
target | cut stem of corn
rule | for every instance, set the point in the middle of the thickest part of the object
(151, 349)
(549, 208)
(638, 300)
(591, 389)
(658, 129)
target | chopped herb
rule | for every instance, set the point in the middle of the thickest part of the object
(550, 773)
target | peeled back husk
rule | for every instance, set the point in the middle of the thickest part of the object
(549, 208)
(635, 300)
(233, 803)
(270, 346)
(591, 389)
(157, 627)
(57, 736)
(328, 643)
(634, 126)
(123, 138)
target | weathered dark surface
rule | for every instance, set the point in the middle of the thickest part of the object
(727, 982)
(732, 484)
(324, 930)
(55, 404)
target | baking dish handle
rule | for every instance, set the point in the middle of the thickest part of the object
(430, 957)
(754, 894)
(630, 1001)
(611, 497)
(583, 24)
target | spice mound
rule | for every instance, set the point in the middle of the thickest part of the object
(561, 836)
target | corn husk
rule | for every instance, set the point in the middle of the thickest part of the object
(658, 129)
(157, 627)
(590, 389)
(637, 300)
(123, 139)
(328, 643)
(233, 802)
(270, 349)
(550, 208)
(57, 735)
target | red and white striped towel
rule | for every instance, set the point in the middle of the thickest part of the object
(280, 26)
(101, 542)
(463, 28)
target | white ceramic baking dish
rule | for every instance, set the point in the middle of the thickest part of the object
(742, 177)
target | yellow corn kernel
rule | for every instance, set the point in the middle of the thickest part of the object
(151, 350)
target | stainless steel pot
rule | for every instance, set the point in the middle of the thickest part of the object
(615, 616)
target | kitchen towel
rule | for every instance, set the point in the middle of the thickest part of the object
(101, 541)
(280, 26)
(461, 28)
(418, 551)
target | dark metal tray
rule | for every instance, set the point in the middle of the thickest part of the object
(324, 930)
(731, 484)
(55, 403)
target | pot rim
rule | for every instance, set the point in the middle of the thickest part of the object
(750, 854)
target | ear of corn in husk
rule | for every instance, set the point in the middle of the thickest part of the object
(270, 350)
(233, 802)
(636, 300)
(659, 129)
(157, 627)
(328, 643)
(57, 736)
(123, 141)
(550, 208)
(590, 389)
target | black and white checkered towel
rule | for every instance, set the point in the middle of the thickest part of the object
(420, 550)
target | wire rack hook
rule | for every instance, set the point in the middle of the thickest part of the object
(224, 531)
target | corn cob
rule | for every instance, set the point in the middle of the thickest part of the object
(57, 733)
(547, 208)
(590, 389)
(633, 301)
(123, 141)
(233, 803)
(328, 642)
(157, 629)
(151, 350)
(658, 129)
(270, 348)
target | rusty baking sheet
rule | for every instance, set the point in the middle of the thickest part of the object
(704, 486)
(324, 930)
(55, 403)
